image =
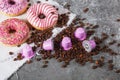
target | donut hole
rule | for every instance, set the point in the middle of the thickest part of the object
(11, 2)
(41, 16)
(11, 31)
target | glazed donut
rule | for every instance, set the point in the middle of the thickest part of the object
(42, 16)
(13, 32)
(13, 7)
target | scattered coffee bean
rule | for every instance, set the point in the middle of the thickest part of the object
(113, 42)
(94, 67)
(64, 66)
(118, 44)
(38, 59)
(15, 59)
(95, 27)
(85, 10)
(38, 1)
(110, 61)
(99, 63)
(45, 62)
(104, 36)
(44, 66)
(67, 6)
(19, 56)
(59, 60)
(18, 45)
(34, 48)
(110, 66)
(29, 61)
(118, 20)
(11, 53)
(102, 58)
(112, 35)
(29, 4)
(112, 53)
(117, 71)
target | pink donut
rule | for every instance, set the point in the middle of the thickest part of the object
(13, 32)
(13, 7)
(42, 16)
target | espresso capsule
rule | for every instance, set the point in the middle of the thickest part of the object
(80, 34)
(66, 43)
(89, 45)
(48, 45)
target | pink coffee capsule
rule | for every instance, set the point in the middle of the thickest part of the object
(66, 43)
(27, 52)
(89, 45)
(80, 34)
(48, 45)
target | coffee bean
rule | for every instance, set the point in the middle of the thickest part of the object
(112, 35)
(118, 20)
(118, 44)
(38, 1)
(44, 66)
(112, 42)
(15, 59)
(11, 53)
(18, 45)
(94, 67)
(85, 10)
(102, 58)
(117, 71)
(29, 62)
(95, 27)
(38, 59)
(110, 66)
(64, 66)
(29, 4)
(110, 61)
(45, 62)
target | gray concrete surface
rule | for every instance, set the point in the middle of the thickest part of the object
(102, 12)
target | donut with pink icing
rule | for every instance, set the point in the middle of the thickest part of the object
(13, 7)
(42, 16)
(13, 32)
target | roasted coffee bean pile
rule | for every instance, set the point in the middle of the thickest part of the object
(62, 20)
(39, 36)
(77, 52)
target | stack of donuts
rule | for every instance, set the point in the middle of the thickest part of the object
(14, 31)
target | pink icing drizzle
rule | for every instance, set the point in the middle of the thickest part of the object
(21, 33)
(13, 9)
(47, 10)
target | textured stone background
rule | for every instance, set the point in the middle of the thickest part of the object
(102, 12)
